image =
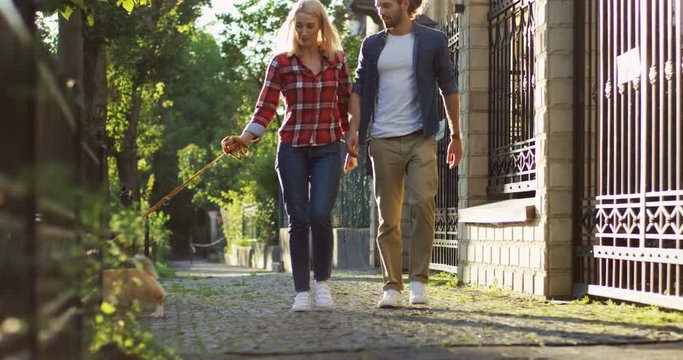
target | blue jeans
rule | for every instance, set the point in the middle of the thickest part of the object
(309, 180)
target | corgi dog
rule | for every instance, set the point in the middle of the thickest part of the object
(122, 286)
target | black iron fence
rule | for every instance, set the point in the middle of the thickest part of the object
(445, 250)
(48, 222)
(629, 131)
(352, 209)
(512, 142)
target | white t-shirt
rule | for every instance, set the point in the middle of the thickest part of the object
(397, 111)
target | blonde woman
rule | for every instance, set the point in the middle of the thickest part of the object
(312, 75)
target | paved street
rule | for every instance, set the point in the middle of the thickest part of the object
(218, 312)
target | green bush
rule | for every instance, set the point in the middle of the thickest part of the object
(117, 326)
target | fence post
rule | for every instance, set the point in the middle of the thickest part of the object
(17, 236)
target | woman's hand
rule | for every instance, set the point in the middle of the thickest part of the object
(235, 146)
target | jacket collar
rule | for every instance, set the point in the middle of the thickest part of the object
(416, 29)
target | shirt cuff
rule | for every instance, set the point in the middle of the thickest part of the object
(357, 88)
(255, 129)
(449, 88)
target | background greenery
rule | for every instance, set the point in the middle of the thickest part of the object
(173, 92)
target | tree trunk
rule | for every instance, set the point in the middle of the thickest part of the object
(95, 85)
(70, 50)
(127, 158)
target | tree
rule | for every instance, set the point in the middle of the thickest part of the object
(200, 103)
(143, 49)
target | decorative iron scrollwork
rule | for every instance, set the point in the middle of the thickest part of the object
(512, 160)
(445, 246)
(653, 74)
(668, 70)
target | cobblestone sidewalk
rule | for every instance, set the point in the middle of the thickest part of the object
(213, 310)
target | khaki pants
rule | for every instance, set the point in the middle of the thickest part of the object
(405, 162)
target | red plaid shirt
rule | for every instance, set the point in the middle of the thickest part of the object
(316, 106)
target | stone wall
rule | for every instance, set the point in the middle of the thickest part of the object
(509, 254)
(554, 125)
(353, 249)
(531, 254)
(256, 256)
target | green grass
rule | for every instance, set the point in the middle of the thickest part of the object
(200, 290)
(242, 282)
(444, 279)
(631, 313)
(178, 288)
(505, 301)
(164, 270)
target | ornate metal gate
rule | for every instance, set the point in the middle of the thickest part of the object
(512, 142)
(629, 146)
(445, 250)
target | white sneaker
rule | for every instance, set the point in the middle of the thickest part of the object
(418, 293)
(323, 296)
(302, 302)
(390, 299)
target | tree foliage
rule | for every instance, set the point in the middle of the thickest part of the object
(201, 103)
(89, 7)
(142, 49)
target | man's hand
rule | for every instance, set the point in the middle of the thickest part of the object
(352, 147)
(350, 163)
(352, 143)
(454, 152)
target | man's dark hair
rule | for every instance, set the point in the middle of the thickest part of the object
(413, 7)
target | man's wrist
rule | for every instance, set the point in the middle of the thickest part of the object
(455, 136)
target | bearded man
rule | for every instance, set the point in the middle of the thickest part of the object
(393, 108)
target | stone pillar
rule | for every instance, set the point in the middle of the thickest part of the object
(499, 244)
(438, 10)
(555, 142)
(473, 81)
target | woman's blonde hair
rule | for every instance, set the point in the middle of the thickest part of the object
(328, 38)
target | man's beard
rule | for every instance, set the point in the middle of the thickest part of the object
(390, 23)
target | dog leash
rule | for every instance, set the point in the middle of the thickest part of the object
(180, 187)
(239, 153)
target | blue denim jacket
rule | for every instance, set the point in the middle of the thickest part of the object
(432, 66)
